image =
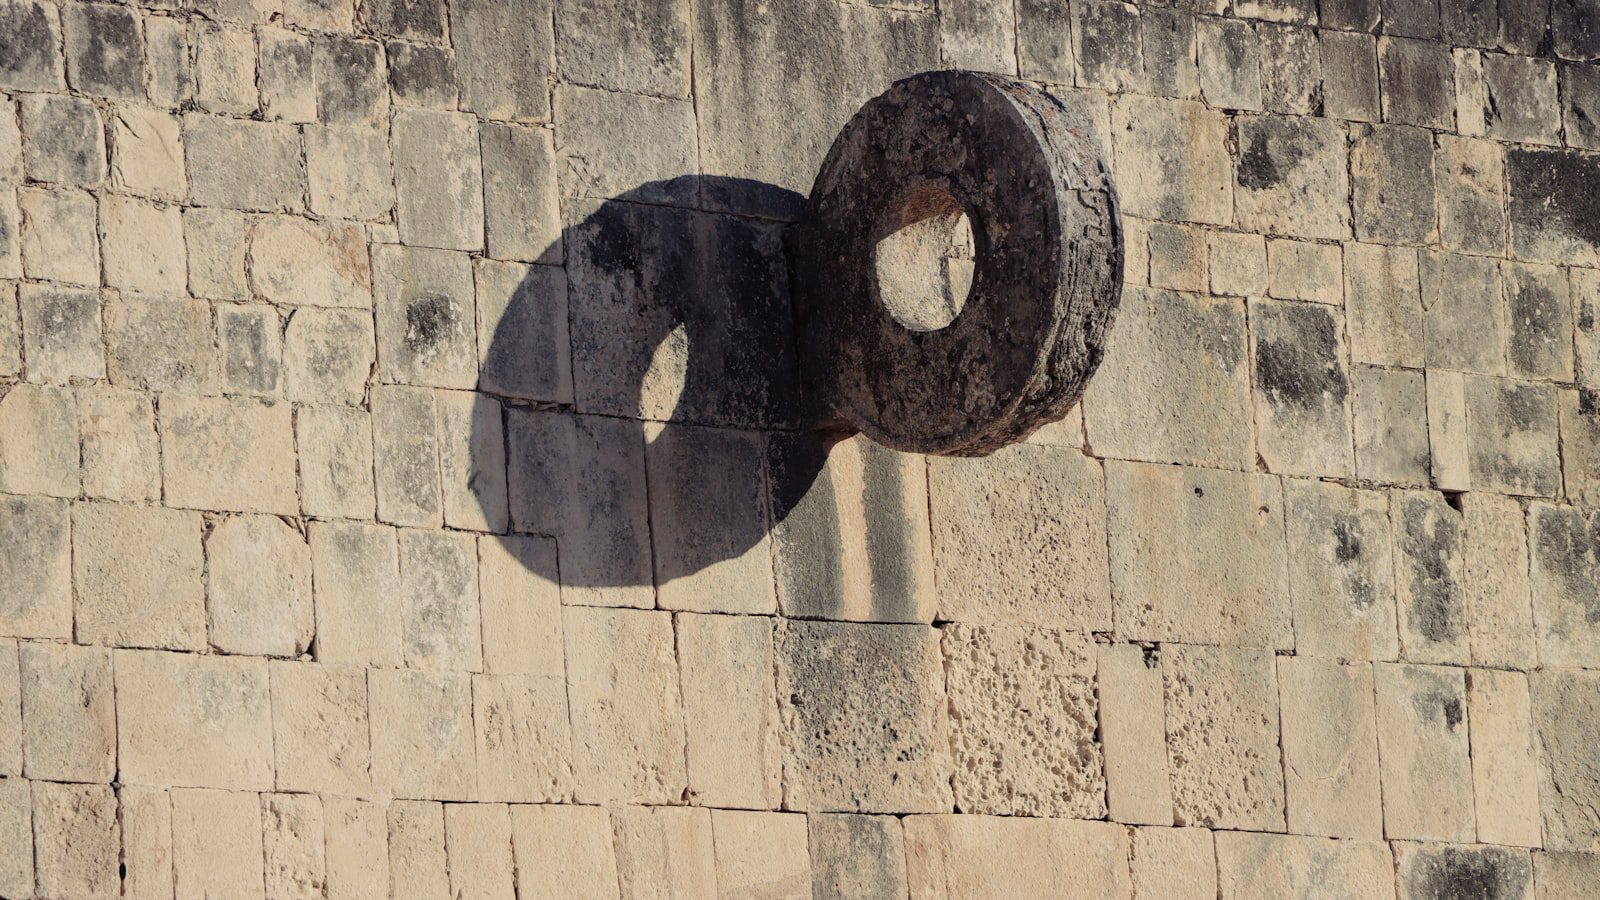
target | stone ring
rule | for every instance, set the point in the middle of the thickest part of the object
(935, 151)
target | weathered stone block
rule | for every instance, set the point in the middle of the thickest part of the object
(1341, 574)
(1044, 41)
(320, 728)
(184, 719)
(228, 454)
(1238, 264)
(423, 75)
(418, 866)
(1391, 416)
(1464, 317)
(1230, 63)
(1565, 705)
(992, 856)
(61, 333)
(664, 850)
(1429, 571)
(488, 34)
(35, 568)
(1471, 195)
(39, 441)
(293, 845)
(421, 19)
(1349, 75)
(439, 178)
(523, 739)
(1177, 257)
(1171, 160)
(30, 58)
(761, 853)
(1523, 105)
(1330, 748)
(625, 48)
(68, 724)
(406, 449)
(563, 849)
(1287, 865)
(422, 734)
(1580, 104)
(1180, 863)
(1447, 430)
(156, 343)
(1422, 752)
(978, 36)
(1566, 584)
(147, 152)
(520, 604)
(1129, 691)
(146, 816)
(217, 845)
(350, 172)
(1023, 722)
(1106, 46)
(1580, 446)
(1393, 179)
(519, 193)
(472, 461)
(300, 262)
(328, 355)
(1423, 870)
(1549, 209)
(1418, 83)
(1512, 437)
(426, 322)
(288, 88)
(1302, 396)
(523, 348)
(1222, 713)
(11, 755)
(16, 837)
(104, 53)
(217, 242)
(657, 144)
(1291, 177)
(850, 749)
(169, 63)
(59, 237)
(138, 576)
(242, 164)
(76, 840)
(225, 69)
(1505, 767)
(439, 586)
(252, 358)
(1539, 340)
(1301, 270)
(856, 856)
(356, 578)
(352, 85)
(259, 587)
(1291, 69)
(357, 847)
(142, 245)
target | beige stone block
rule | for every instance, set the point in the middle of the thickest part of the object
(405, 448)
(1171, 160)
(988, 856)
(147, 152)
(11, 743)
(1136, 252)
(1505, 770)
(426, 322)
(1566, 705)
(1330, 748)
(1292, 177)
(236, 455)
(121, 450)
(1447, 430)
(563, 851)
(300, 262)
(10, 325)
(730, 713)
(146, 843)
(525, 307)
(439, 585)
(422, 735)
(137, 571)
(520, 603)
(1302, 270)
(472, 461)
(1222, 737)
(1133, 736)
(225, 69)
(1238, 264)
(142, 245)
(595, 158)
(627, 724)
(293, 844)
(1430, 569)
(478, 840)
(1565, 575)
(1291, 865)
(16, 838)
(1439, 870)
(350, 172)
(35, 568)
(335, 444)
(1341, 572)
(1197, 555)
(76, 840)
(68, 722)
(761, 854)
(288, 90)
(1163, 396)
(857, 856)
(1383, 305)
(439, 179)
(39, 441)
(60, 240)
(218, 242)
(664, 851)
(161, 344)
(1173, 863)
(217, 848)
(1019, 537)
(1422, 747)
(357, 848)
(328, 355)
(61, 336)
(320, 731)
(356, 576)
(1177, 257)
(1391, 426)
(1560, 874)
(1512, 437)
(1498, 590)
(243, 164)
(1023, 721)
(259, 587)
(1580, 446)
(418, 867)
(523, 738)
(193, 720)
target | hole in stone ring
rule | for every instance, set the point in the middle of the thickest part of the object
(924, 263)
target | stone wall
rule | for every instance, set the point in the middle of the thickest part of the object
(403, 489)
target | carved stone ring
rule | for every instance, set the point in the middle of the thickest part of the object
(1046, 267)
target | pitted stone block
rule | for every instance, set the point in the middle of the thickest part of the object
(1023, 168)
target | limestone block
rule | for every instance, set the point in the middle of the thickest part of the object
(1383, 305)
(405, 446)
(335, 461)
(1301, 270)
(563, 851)
(1291, 177)
(439, 586)
(581, 479)
(35, 568)
(530, 303)
(1197, 555)
(120, 446)
(1286, 865)
(1177, 257)
(420, 19)
(730, 713)
(76, 840)
(1557, 874)
(595, 160)
(65, 140)
(11, 743)
(59, 240)
(1466, 22)
(1512, 437)
(423, 75)
(1539, 339)
(417, 861)
(1291, 69)
(1566, 704)
(228, 454)
(1580, 446)
(624, 48)
(1341, 573)
(146, 816)
(357, 848)
(1106, 46)
(1222, 737)
(1193, 396)
(293, 842)
(69, 726)
(137, 571)
(299, 262)
(328, 355)
(477, 837)
(1393, 180)
(1544, 187)
(32, 61)
(761, 854)
(1023, 722)
(1044, 41)
(1430, 568)
(1171, 160)
(288, 89)
(664, 851)
(1417, 82)
(1471, 184)
(472, 461)
(147, 152)
(39, 441)
(1132, 735)
(425, 316)
(1522, 100)
(486, 33)
(351, 81)
(439, 177)
(320, 728)
(242, 164)
(627, 725)
(1349, 75)
(856, 856)
(1167, 38)
(1566, 572)
(252, 355)
(1302, 388)
(259, 580)
(850, 749)
(193, 720)
(523, 219)
(978, 36)
(142, 245)
(225, 69)
(1464, 318)
(350, 172)
(1433, 870)
(1238, 264)
(1580, 108)
(1176, 863)
(1391, 426)
(520, 604)
(1498, 589)
(1230, 63)
(987, 856)
(355, 570)
(169, 62)
(1330, 748)
(523, 739)
(1447, 429)
(422, 735)
(1505, 766)
(1422, 744)
(217, 847)
(218, 241)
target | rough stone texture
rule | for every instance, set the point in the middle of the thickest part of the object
(1422, 749)
(160, 601)
(193, 720)
(563, 849)
(1391, 426)
(1330, 748)
(1179, 863)
(1565, 567)
(1423, 870)
(228, 454)
(1290, 172)
(1279, 865)
(217, 843)
(730, 717)
(422, 734)
(1505, 768)
(1132, 734)
(36, 568)
(856, 856)
(259, 587)
(761, 854)
(320, 728)
(1221, 709)
(1302, 389)
(1170, 161)
(75, 838)
(1430, 568)
(967, 856)
(1564, 710)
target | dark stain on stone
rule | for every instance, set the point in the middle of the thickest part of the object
(26, 42)
(1298, 365)
(1256, 168)
(1454, 873)
(429, 320)
(1347, 542)
(1588, 401)
(421, 71)
(1566, 547)
(110, 59)
(1439, 706)
(1556, 190)
(1432, 542)
(808, 550)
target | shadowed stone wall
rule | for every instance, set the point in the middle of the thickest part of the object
(403, 488)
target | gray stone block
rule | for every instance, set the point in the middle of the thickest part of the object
(523, 348)
(1044, 41)
(1354, 15)
(1550, 206)
(1291, 177)
(1512, 437)
(1470, 23)
(1350, 76)
(856, 856)
(1291, 69)
(642, 48)
(1464, 319)
(243, 165)
(161, 344)
(1438, 870)
(1566, 584)
(1430, 561)
(1391, 420)
(1472, 216)
(288, 86)
(1539, 313)
(252, 352)
(1393, 180)
(65, 140)
(405, 445)
(423, 20)
(61, 333)
(523, 216)
(1418, 82)
(423, 75)
(1407, 18)
(1229, 63)
(614, 144)
(1523, 24)
(505, 53)
(1106, 45)
(439, 179)
(352, 85)
(1575, 29)
(105, 56)
(1522, 101)
(30, 41)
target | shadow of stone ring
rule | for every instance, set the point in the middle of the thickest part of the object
(1046, 265)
